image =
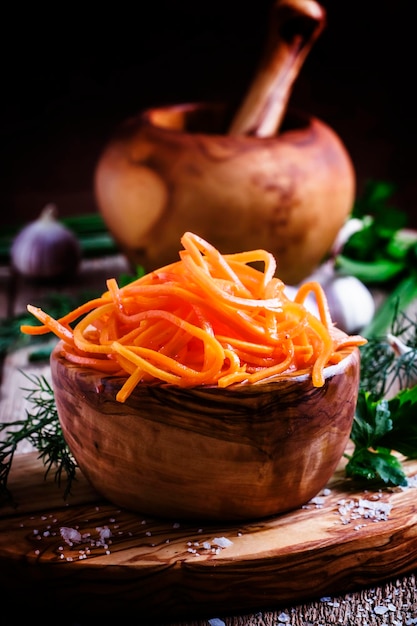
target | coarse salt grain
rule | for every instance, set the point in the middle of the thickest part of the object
(318, 501)
(104, 533)
(70, 535)
(361, 508)
(381, 610)
(222, 542)
(411, 482)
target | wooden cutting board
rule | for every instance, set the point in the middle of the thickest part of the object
(343, 540)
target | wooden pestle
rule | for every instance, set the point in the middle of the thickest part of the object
(294, 27)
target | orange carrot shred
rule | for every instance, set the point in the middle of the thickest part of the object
(207, 319)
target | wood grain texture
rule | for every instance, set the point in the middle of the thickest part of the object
(294, 26)
(173, 169)
(161, 568)
(283, 561)
(207, 453)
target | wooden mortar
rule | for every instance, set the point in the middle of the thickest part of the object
(272, 178)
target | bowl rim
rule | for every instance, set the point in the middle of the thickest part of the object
(351, 355)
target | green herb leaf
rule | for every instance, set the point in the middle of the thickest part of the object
(379, 428)
(376, 466)
(402, 437)
(379, 251)
(371, 434)
(388, 313)
(382, 367)
(372, 421)
(370, 271)
(42, 429)
(374, 201)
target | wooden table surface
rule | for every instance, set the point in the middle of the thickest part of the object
(385, 595)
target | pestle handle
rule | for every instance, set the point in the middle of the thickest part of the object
(294, 27)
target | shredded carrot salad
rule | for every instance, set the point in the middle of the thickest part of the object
(207, 319)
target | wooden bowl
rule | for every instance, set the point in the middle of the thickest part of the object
(248, 451)
(174, 169)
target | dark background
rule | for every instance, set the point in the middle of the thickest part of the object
(68, 78)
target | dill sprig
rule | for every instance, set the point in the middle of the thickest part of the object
(382, 365)
(42, 429)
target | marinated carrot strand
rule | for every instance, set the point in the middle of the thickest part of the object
(61, 331)
(73, 315)
(273, 370)
(247, 346)
(114, 292)
(79, 338)
(323, 354)
(152, 359)
(227, 314)
(246, 321)
(136, 376)
(213, 355)
(208, 319)
(207, 284)
(349, 341)
(317, 290)
(217, 261)
(255, 256)
(103, 365)
(164, 368)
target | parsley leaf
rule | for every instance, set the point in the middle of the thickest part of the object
(379, 428)
(379, 252)
(403, 413)
(376, 466)
(372, 421)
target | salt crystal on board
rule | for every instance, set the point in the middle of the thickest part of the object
(222, 542)
(70, 535)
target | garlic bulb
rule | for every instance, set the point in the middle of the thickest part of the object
(45, 248)
(351, 304)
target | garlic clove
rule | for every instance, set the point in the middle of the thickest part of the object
(351, 304)
(399, 347)
(45, 248)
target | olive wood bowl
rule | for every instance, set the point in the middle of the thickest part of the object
(248, 451)
(172, 169)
